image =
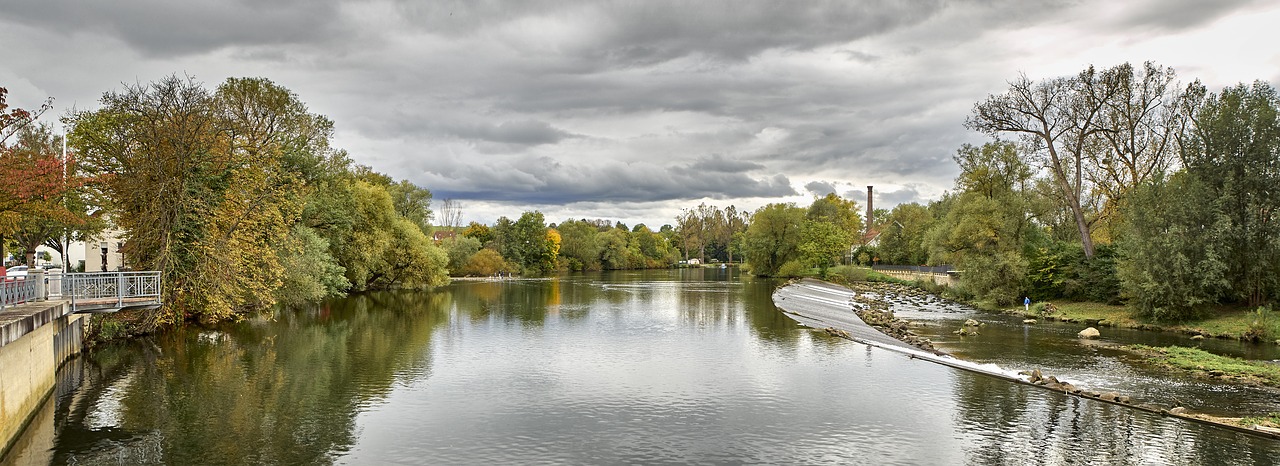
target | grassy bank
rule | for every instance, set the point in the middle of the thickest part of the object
(1221, 322)
(1205, 364)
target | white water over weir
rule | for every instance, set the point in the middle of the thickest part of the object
(822, 305)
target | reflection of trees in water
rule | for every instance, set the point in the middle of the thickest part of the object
(767, 322)
(282, 390)
(1006, 423)
(526, 301)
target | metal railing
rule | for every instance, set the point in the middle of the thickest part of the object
(940, 269)
(17, 290)
(97, 290)
(102, 288)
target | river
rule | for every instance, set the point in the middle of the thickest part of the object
(668, 366)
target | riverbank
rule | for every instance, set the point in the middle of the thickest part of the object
(1261, 327)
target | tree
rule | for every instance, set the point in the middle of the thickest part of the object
(15, 119)
(902, 240)
(822, 243)
(1175, 257)
(479, 231)
(580, 245)
(1061, 120)
(44, 193)
(1233, 147)
(229, 169)
(982, 228)
(773, 237)
(451, 214)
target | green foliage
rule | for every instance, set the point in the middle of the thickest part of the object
(822, 244)
(480, 232)
(580, 245)
(1261, 325)
(460, 249)
(1059, 269)
(310, 272)
(1233, 150)
(793, 269)
(773, 238)
(902, 240)
(839, 212)
(1172, 265)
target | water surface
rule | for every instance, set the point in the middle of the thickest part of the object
(680, 366)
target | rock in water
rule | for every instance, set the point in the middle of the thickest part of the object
(971, 323)
(1029, 321)
(1089, 333)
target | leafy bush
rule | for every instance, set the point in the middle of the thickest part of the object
(793, 269)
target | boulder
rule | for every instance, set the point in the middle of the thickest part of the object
(971, 323)
(1109, 396)
(1178, 411)
(1089, 333)
(1029, 321)
(1197, 337)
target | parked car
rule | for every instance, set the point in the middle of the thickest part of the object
(16, 271)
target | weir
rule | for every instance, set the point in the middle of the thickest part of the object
(818, 304)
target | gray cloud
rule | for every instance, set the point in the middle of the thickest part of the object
(555, 103)
(820, 188)
(167, 29)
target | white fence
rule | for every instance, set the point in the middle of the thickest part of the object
(96, 290)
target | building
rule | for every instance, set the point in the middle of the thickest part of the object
(102, 253)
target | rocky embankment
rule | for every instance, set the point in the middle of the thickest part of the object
(872, 305)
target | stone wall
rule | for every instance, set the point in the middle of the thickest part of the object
(29, 365)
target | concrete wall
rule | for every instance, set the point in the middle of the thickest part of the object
(28, 367)
(935, 278)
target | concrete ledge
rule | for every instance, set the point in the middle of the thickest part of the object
(17, 321)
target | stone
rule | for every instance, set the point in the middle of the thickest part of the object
(1123, 399)
(1178, 411)
(1108, 396)
(971, 323)
(1036, 376)
(1198, 337)
(1029, 321)
(1089, 333)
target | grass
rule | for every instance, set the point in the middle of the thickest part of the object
(1203, 362)
(1221, 321)
(1269, 420)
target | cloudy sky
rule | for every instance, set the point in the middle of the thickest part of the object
(631, 110)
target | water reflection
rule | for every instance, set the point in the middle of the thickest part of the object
(645, 367)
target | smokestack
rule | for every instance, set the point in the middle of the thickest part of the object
(869, 208)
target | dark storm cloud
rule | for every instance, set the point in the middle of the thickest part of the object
(167, 28)
(546, 181)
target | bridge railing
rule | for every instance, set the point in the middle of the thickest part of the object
(99, 288)
(17, 290)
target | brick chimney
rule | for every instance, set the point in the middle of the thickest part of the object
(869, 208)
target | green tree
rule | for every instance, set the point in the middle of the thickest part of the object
(773, 237)
(1174, 260)
(822, 244)
(1233, 148)
(902, 239)
(311, 273)
(580, 246)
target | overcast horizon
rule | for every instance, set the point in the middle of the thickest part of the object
(630, 111)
